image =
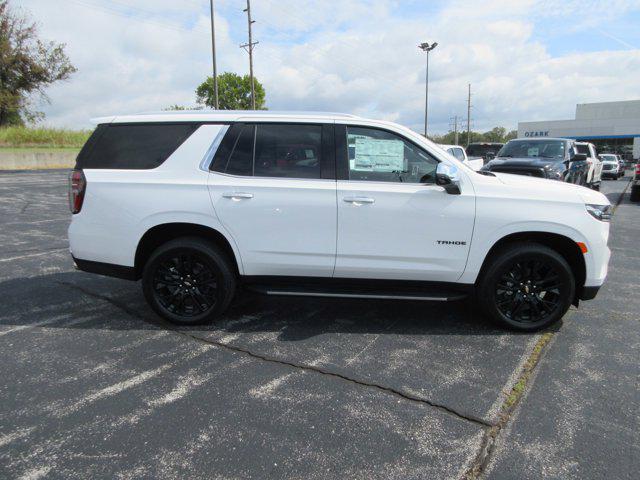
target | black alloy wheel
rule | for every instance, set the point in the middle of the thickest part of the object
(529, 291)
(189, 281)
(184, 284)
(526, 286)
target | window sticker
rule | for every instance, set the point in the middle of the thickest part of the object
(375, 155)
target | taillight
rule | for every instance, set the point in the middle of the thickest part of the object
(638, 169)
(77, 187)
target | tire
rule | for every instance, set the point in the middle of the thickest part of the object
(523, 309)
(635, 193)
(200, 281)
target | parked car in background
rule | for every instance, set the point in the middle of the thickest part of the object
(552, 158)
(610, 166)
(635, 183)
(484, 150)
(201, 205)
(460, 153)
(594, 164)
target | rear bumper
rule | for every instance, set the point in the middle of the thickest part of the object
(106, 269)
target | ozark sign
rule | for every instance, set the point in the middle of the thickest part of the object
(537, 134)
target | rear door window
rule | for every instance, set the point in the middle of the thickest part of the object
(133, 147)
(279, 150)
(241, 160)
(290, 151)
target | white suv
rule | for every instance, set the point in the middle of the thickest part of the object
(594, 171)
(197, 204)
(460, 153)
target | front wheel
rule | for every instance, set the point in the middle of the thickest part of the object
(527, 287)
(188, 281)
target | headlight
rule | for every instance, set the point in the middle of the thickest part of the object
(555, 172)
(599, 212)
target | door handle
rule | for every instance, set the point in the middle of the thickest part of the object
(237, 195)
(359, 200)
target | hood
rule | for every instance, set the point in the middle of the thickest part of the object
(534, 187)
(522, 161)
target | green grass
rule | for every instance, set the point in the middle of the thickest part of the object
(25, 137)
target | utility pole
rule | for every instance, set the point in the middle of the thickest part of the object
(216, 104)
(427, 48)
(454, 123)
(469, 117)
(249, 48)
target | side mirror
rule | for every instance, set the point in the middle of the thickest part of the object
(580, 157)
(448, 178)
(490, 156)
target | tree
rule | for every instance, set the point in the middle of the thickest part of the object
(27, 66)
(496, 134)
(234, 92)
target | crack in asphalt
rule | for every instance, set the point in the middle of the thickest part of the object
(490, 438)
(304, 367)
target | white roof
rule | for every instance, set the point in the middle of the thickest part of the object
(220, 116)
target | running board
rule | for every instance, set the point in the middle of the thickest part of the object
(364, 295)
(425, 296)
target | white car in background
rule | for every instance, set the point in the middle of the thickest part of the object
(610, 166)
(594, 172)
(461, 154)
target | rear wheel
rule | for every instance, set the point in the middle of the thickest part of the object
(188, 281)
(526, 287)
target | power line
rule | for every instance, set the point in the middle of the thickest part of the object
(121, 14)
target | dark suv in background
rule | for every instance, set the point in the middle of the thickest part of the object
(484, 150)
(552, 158)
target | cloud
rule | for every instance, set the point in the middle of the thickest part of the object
(359, 56)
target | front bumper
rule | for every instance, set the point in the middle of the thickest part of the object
(589, 293)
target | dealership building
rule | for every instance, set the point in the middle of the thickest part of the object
(614, 127)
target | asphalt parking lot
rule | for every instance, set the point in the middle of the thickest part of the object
(94, 385)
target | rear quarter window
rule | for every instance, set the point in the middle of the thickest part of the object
(133, 147)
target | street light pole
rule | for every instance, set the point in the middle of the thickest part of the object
(216, 104)
(427, 48)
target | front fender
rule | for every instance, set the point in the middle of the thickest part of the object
(481, 245)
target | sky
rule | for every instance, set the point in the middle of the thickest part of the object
(525, 60)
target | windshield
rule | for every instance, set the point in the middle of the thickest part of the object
(583, 149)
(609, 158)
(456, 152)
(553, 149)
